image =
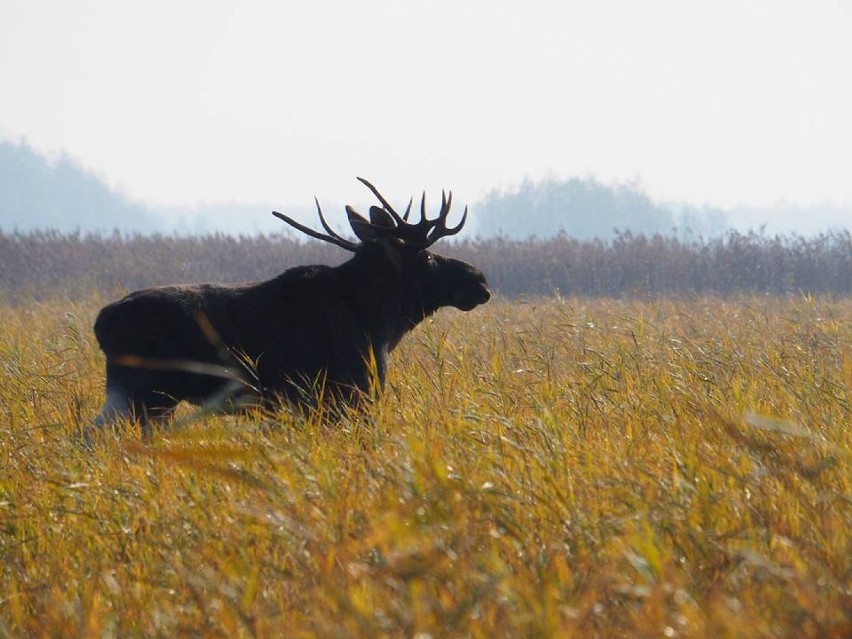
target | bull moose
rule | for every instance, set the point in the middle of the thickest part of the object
(311, 327)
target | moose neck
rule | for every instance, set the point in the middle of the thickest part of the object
(375, 285)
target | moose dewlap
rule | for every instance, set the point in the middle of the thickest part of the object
(279, 339)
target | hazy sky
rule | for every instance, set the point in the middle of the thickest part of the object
(724, 102)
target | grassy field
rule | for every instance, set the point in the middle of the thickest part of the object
(559, 467)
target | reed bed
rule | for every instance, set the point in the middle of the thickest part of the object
(552, 467)
(46, 264)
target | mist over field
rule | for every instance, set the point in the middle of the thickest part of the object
(41, 193)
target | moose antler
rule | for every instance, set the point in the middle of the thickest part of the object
(421, 235)
(332, 237)
(425, 232)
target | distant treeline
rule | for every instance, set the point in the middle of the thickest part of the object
(586, 209)
(43, 264)
(37, 193)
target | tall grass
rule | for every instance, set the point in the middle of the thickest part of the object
(560, 467)
(44, 264)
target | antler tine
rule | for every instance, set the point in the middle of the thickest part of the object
(425, 232)
(441, 229)
(445, 208)
(384, 202)
(325, 224)
(333, 239)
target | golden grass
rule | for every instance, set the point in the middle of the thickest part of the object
(562, 467)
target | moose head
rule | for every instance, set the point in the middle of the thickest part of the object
(429, 281)
(168, 344)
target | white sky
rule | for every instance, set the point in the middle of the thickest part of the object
(180, 101)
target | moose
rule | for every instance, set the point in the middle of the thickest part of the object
(312, 334)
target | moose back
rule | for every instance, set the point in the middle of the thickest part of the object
(311, 331)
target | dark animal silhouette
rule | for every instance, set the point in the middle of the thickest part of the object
(311, 332)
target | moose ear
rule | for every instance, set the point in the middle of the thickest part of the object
(360, 226)
(380, 217)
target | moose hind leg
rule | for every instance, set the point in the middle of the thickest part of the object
(147, 409)
(152, 408)
(117, 406)
(131, 395)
